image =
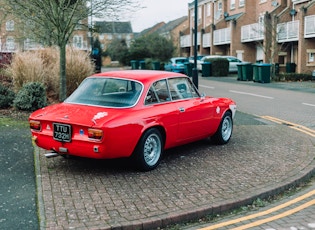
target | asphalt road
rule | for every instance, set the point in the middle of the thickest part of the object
(293, 101)
(17, 191)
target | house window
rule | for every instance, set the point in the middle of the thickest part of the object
(242, 3)
(261, 20)
(311, 57)
(220, 6)
(10, 43)
(232, 5)
(282, 59)
(9, 25)
(262, 1)
(208, 9)
(78, 41)
(29, 44)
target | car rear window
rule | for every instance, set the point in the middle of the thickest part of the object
(108, 92)
(181, 61)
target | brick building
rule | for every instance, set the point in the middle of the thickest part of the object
(12, 36)
(272, 31)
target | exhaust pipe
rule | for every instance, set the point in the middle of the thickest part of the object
(51, 154)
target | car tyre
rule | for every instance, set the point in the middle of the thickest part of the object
(149, 150)
(225, 129)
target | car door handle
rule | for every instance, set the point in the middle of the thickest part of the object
(181, 109)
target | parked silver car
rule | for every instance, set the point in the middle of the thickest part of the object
(233, 61)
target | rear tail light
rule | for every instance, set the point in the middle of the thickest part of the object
(95, 134)
(35, 125)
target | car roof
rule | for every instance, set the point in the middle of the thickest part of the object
(140, 75)
(179, 58)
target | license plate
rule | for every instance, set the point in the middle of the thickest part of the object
(62, 132)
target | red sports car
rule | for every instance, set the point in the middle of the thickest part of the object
(132, 113)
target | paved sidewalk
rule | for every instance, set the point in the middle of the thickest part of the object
(192, 181)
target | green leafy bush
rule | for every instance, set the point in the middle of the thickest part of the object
(6, 97)
(219, 66)
(31, 97)
(294, 77)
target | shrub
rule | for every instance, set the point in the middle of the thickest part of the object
(6, 97)
(31, 97)
(219, 66)
(26, 67)
(78, 67)
(294, 77)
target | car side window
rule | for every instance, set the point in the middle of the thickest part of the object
(193, 90)
(182, 88)
(158, 92)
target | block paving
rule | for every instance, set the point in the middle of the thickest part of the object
(192, 181)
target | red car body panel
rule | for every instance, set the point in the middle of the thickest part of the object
(182, 121)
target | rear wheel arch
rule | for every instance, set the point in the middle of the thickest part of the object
(149, 149)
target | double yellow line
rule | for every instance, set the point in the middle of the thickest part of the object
(297, 127)
(269, 211)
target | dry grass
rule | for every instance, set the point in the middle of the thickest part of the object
(79, 66)
(43, 66)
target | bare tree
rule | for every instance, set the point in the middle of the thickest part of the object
(52, 22)
(270, 45)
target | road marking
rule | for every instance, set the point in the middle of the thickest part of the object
(276, 217)
(250, 94)
(269, 211)
(297, 127)
(308, 104)
(208, 87)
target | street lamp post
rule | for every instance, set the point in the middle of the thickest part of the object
(195, 70)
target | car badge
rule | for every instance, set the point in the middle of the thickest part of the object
(218, 110)
(81, 132)
(48, 127)
(99, 115)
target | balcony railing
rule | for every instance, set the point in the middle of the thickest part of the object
(222, 36)
(288, 31)
(206, 40)
(185, 41)
(252, 32)
(309, 28)
(198, 38)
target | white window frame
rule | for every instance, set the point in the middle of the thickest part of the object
(208, 9)
(241, 3)
(10, 43)
(232, 4)
(77, 41)
(9, 25)
(311, 57)
(220, 6)
(199, 14)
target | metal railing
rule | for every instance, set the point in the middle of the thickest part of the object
(288, 31)
(222, 36)
(252, 32)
